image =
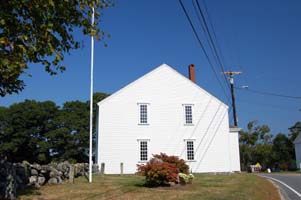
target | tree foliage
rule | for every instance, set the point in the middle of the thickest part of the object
(23, 130)
(179, 163)
(43, 132)
(273, 151)
(295, 130)
(35, 31)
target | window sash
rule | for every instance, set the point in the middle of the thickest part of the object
(190, 150)
(143, 151)
(143, 114)
(188, 114)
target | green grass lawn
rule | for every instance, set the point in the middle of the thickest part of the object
(224, 187)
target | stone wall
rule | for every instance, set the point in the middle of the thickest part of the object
(17, 176)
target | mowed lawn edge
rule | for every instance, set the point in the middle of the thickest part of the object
(205, 186)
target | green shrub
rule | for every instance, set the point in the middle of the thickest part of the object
(179, 163)
(185, 178)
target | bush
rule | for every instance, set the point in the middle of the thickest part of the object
(159, 173)
(185, 178)
(179, 163)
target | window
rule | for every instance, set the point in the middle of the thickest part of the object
(190, 150)
(188, 114)
(143, 150)
(143, 113)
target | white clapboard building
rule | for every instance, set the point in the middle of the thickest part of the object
(163, 111)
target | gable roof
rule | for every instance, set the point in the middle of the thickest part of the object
(154, 71)
(298, 139)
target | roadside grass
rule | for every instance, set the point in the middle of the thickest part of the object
(204, 187)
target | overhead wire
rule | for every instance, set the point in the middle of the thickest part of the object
(266, 105)
(212, 43)
(269, 93)
(203, 49)
(213, 31)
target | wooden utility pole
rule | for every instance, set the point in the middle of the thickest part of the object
(231, 76)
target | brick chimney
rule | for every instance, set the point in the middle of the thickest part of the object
(191, 72)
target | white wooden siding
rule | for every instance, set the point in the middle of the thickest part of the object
(166, 91)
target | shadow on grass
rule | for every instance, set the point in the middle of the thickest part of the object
(177, 186)
(28, 191)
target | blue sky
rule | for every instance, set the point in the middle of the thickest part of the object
(260, 38)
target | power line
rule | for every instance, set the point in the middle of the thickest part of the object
(216, 41)
(203, 48)
(212, 41)
(269, 93)
(211, 26)
(266, 105)
(213, 45)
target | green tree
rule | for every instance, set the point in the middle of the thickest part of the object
(70, 140)
(283, 150)
(23, 129)
(36, 31)
(255, 145)
(262, 154)
(255, 134)
(42, 132)
(97, 97)
(295, 130)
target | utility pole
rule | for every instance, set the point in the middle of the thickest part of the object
(231, 75)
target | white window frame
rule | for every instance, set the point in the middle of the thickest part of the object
(187, 151)
(140, 150)
(140, 122)
(185, 114)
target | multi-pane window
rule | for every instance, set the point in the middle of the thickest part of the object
(190, 150)
(143, 150)
(188, 114)
(143, 113)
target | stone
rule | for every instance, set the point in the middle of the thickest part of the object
(80, 169)
(37, 185)
(52, 181)
(41, 180)
(59, 180)
(33, 179)
(95, 168)
(21, 175)
(10, 186)
(102, 169)
(64, 167)
(36, 166)
(34, 172)
(54, 173)
(71, 174)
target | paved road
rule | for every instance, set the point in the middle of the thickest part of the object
(290, 184)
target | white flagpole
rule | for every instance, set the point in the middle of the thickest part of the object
(91, 101)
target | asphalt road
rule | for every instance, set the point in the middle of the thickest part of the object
(289, 184)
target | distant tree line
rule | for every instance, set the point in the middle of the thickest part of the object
(42, 132)
(274, 151)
